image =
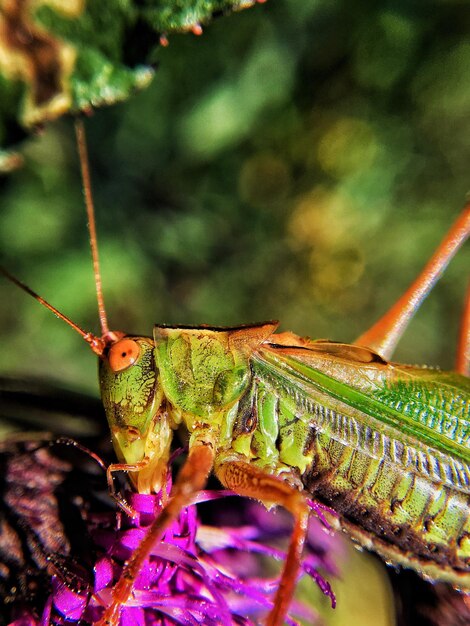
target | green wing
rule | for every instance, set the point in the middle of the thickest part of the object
(422, 412)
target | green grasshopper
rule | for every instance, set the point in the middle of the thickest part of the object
(279, 418)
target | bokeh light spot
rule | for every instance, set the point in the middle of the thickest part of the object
(348, 146)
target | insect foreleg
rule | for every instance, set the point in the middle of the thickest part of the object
(122, 467)
(191, 479)
(250, 481)
(114, 467)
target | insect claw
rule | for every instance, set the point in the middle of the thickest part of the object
(125, 506)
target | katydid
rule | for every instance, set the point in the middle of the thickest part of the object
(280, 418)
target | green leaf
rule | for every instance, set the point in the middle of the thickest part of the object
(66, 56)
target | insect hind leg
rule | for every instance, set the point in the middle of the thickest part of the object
(247, 480)
(384, 335)
(463, 352)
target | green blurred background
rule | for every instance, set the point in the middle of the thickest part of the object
(299, 161)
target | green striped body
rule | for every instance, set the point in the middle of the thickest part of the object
(386, 445)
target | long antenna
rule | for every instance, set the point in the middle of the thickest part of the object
(85, 169)
(97, 344)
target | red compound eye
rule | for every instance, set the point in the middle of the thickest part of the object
(123, 354)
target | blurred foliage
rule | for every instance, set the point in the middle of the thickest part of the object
(363, 596)
(72, 55)
(300, 161)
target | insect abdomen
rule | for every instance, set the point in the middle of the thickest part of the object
(405, 517)
(395, 494)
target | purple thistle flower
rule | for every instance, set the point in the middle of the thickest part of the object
(198, 574)
(206, 572)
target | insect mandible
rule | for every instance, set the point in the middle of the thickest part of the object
(279, 418)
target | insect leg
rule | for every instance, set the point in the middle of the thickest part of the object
(463, 353)
(191, 479)
(114, 467)
(384, 335)
(250, 481)
(122, 467)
